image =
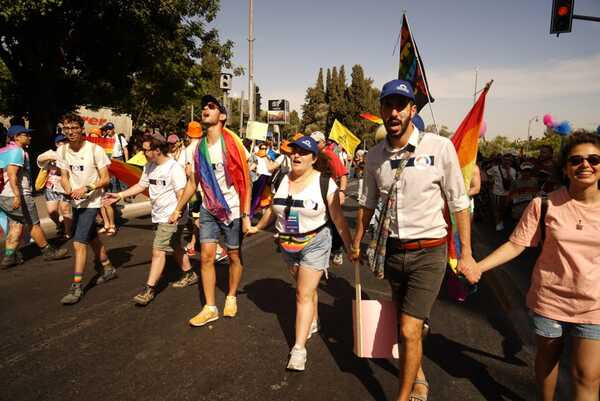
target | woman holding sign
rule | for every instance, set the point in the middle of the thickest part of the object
(303, 204)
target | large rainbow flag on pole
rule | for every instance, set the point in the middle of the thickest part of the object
(411, 66)
(466, 143)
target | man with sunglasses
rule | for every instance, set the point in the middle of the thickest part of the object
(225, 209)
(84, 175)
(164, 179)
(16, 200)
(416, 174)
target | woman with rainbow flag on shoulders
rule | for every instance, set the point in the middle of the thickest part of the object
(220, 171)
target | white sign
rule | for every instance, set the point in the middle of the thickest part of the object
(257, 130)
(97, 119)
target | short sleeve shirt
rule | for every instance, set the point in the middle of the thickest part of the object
(16, 156)
(84, 168)
(307, 212)
(336, 167)
(163, 182)
(119, 145)
(494, 174)
(566, 277)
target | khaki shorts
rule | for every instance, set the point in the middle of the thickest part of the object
(168, 237)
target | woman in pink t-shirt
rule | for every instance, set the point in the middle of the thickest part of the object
(564, 297)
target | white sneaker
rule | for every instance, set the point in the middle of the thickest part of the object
(221, 254)
(297, 359)
(314, 329)
(500, 226)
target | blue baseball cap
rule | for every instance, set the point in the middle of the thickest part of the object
(397, 87)
(307, 143)
(60, 138)
(108, 126)
(15, 130)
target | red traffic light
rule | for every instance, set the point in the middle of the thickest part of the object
(562, 11)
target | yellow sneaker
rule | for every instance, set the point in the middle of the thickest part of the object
(230, 309)
(207, 314)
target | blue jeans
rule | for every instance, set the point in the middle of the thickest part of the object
(550, 328)
(211, 229)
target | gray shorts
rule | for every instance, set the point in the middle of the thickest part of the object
(27, 214)
(315, 255)
(415, 277)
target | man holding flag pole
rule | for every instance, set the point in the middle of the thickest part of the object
(415, 173)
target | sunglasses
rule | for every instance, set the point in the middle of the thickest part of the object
(577, 160)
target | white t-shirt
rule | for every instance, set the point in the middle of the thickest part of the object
(229, 193)
(120, 143)
(163, 181)
(21, 159)
(494, 173)
(84, 169)
(307, 211)
(53, 182)
(182, 159)
(262, 168)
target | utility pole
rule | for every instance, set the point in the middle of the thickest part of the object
(251, 108)
(241, 112)
(475, 91)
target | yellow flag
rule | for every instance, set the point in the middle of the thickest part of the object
(138, 160)
(344, 137)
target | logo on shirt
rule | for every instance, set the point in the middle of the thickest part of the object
(422, 162)
(310, 204)
(75, 167)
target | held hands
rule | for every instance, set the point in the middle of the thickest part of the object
(354, 253)
(174, 217)
(110, 198)
(78, 193)
(246, 224)
(469, 268)
(251, 231)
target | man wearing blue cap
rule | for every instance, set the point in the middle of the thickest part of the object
(16, 199)
(415, 174)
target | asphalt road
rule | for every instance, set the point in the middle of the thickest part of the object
(106, 348)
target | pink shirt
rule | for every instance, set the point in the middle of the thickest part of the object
(565, 283)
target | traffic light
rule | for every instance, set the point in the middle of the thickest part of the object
(225, 82)
(562, 16)
(257, 100)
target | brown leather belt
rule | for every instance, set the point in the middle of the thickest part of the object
(416, 244)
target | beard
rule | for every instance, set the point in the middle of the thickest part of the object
(391, 126)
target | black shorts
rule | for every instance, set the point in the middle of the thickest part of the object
(416, 277)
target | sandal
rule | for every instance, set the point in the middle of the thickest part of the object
(103, 230)
(111, 231)
(419, 397)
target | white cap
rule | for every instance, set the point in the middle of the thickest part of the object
(318, 136)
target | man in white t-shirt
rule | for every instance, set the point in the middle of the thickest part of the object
(165, 180)
(119, 152)
(503, 176)
(223, 212)
(84, 175)
(16, 200)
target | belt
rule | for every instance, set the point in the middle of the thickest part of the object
(416, 244)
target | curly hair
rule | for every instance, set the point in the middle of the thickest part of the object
(72, 118)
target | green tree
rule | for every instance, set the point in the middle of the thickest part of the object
(315, 110)
(131, 56)
(328, 86)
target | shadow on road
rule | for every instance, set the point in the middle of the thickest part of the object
(454, 359)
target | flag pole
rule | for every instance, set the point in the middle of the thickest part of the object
(412, 39)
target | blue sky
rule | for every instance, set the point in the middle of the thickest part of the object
(535, 73)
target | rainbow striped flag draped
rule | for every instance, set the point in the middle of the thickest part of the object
(466, 143)
(409, 70)
(236, 173)
(104, 142)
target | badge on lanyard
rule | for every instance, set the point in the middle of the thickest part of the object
(292, 223)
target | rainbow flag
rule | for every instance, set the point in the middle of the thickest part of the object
(409, 66)
(104, 142)
(126, 173)
(371, 117)
(236, 173)
(466, 143)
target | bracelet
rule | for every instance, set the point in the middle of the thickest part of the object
(342, 191)
(120, 195)
(90, 187)
(244, 215)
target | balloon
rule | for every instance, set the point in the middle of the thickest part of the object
(548, 120)
(482, 129)
(418, 122)
(563, 129)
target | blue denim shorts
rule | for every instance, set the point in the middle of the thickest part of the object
(550, 328)
(315, 254)
(211, 229)
(84, 221)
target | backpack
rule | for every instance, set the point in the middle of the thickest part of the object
(542, 223)
(283, 170)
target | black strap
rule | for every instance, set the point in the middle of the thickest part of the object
(324, 184)
(543, 212)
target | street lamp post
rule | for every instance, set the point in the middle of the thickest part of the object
(536, 119)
